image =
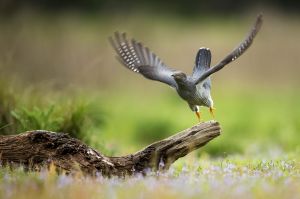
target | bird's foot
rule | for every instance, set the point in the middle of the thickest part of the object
(198, 115)
(211, 110)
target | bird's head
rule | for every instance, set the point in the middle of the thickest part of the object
(179, 77)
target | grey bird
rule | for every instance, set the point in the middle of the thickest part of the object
(195, 88)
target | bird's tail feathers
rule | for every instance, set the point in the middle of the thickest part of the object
(203, 58)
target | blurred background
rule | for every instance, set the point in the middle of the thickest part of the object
(59, 73)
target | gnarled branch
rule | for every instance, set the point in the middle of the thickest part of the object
(36, 149)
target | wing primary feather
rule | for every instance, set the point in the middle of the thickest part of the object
(140, 47)
(138, 53)
(125, 48)
(129, 53)
(153, 58)
(118, 39)
(144, 50)
(156, 60)
(134, 54)
(120, 50)
(115, 46)
(147, 51)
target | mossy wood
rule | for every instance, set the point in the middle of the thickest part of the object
(37, 149)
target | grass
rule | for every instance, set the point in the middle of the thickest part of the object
(233, 177)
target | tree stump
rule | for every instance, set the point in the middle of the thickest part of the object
(34, 150)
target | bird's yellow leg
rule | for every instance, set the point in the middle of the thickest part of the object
(211, 110)
(198, 115)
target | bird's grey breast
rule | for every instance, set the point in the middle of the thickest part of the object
(198, 94)
(203, 93)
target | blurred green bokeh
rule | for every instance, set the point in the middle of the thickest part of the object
(58, 72)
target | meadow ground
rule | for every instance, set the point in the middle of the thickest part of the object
(230, 177)
(60, 75)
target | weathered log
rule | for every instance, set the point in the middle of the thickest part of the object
(36, 149)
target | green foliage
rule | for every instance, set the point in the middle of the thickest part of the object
(37, 118)
(35, 110)
(82, 118)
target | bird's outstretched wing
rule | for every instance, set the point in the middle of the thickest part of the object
(134, 56)
(238, 51)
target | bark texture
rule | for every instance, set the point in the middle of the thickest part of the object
(37, 149)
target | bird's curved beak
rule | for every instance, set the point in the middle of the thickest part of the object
(211, 110)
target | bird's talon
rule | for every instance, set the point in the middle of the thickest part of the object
(211, 110)
(198, 115)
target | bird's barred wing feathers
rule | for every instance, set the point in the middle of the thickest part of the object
(236, 52)
(134, 56)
